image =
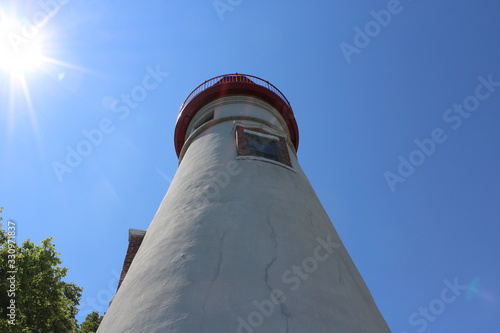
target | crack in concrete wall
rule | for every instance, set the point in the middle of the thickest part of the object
(268, 267)
(310, 217)
(217, 272)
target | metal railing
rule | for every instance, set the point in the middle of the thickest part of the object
(221, 79)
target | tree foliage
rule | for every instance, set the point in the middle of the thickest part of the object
(32, 281)
(91, 323)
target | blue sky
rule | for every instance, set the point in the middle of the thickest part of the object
(366, 80)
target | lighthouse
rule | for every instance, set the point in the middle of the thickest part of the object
(240, 242)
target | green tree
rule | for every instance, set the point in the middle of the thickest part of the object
(91, 323)
(43, 302)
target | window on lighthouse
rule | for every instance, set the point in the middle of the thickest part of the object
(263, 146)
(260, 143)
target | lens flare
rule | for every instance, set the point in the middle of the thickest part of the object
(476, 290)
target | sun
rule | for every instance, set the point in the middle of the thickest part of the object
(18, 54)
(28, 62)
(21, 55)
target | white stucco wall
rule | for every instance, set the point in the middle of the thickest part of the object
(228, 233)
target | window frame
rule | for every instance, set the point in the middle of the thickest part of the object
(243, 136)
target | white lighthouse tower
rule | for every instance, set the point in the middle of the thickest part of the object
(241, 242)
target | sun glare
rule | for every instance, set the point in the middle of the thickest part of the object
(17, 53)
(27, 49)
